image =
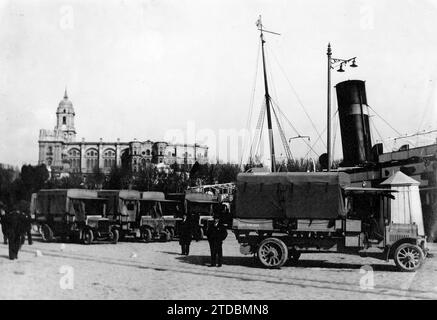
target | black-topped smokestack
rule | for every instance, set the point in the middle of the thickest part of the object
(354, 122)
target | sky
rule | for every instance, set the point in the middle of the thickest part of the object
(185, 69)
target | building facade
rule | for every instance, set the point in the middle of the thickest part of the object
(62, 154)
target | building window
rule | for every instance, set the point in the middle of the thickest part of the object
(49, 150)
(92, 160)
(109, 158)
(147, 152)
(64, 120)
(74, 156)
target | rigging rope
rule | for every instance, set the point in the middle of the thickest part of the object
(386, 122)
(298, 98)
(252, 99)
(283, 138)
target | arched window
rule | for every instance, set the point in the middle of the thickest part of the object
(74, 157)
(108, 158)
(64, 120)
(147, 152)
(92, 160)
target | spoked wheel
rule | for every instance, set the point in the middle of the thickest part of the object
(87, 236)
(46, 233)
(272, 253)
(146, 234)
(171, 232)
(114, 235)
(165, 236)
(408, 257)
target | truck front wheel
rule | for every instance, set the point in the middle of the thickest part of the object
(46, 233)
(408, 257)
(272, 253)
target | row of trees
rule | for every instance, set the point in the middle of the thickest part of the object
(17, 186)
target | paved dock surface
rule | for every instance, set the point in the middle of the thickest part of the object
(135, 270)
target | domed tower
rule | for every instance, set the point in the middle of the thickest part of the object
(65, 119)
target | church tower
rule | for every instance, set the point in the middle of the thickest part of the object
(65, 119)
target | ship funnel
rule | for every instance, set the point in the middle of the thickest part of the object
(354, 123)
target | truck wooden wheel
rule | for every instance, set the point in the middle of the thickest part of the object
(170, 230)
(114, 235)
(46, 233)
(146, 235)
(272, 253)
(87, 236)
(408, 257)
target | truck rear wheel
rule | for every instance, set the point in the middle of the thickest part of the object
(170, 230)
(46, 233)
(408, 257)
(114, 235)
(146, 234)
(272, 253)
(87, 236)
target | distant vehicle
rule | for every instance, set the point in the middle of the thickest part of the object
(77, 214)
(123, 211)
(158, 216)
(281, 215)
(200, 208)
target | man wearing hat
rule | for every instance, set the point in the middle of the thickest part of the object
(216, 234)
(3, 222)
(16, 225)
(185, 235)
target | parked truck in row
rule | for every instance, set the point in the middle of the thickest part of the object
(281, 215)
(74, 214)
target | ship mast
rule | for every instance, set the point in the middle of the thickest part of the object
(267, 96)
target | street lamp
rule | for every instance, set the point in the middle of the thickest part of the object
(332, 63)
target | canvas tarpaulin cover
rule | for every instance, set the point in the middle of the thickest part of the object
(290, 195)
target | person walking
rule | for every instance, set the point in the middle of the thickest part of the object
(216, 234)
(185, 235)
(27, 220)
(15, 230)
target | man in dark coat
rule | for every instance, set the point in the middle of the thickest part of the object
(185, 235)
(28, 227)
(3, 222)
(216, 234)
(15, 230)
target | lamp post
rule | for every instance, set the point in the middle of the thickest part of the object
(333, 62)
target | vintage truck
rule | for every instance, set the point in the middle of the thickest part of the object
(158, 216)
(77, 214)
(281, 215)
(200, 209)
(123, 210)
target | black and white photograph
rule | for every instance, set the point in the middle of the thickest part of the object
(238, 152)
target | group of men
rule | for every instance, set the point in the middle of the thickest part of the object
(16, 225)
(216, 234)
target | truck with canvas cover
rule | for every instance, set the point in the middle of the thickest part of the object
(76, 214)
(200, 209)
(123, 211)
(158, 216)
(281, 215)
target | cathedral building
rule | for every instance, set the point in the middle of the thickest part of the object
(62, 154)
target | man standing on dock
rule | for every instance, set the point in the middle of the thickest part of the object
(216, 234)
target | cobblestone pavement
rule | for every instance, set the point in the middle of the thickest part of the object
(134, 270)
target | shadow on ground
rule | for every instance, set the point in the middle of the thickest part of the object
(252, 262)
